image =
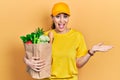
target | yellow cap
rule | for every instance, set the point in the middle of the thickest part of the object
(60, 8)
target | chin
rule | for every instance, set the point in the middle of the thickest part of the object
(61, 30)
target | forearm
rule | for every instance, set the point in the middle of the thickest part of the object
(83, 60)
(96, 48)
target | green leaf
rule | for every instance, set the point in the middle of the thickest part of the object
(28, 36)
(34, 36)
(24, 39)
(39, 32)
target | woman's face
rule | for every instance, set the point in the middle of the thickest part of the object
(61, 21)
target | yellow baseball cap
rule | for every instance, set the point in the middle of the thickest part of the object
(60, 7)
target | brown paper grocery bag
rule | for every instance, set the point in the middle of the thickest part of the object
(43, 51)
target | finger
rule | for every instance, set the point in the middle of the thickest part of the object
(38, 65)
(110, 47)
(37, 70)
(106, 48)
(99, 44)
(41, 67)
(35, 58)
(39, 61)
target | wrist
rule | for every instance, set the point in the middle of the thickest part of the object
(91, 52)
(26, 60)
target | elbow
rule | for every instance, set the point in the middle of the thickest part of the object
(79, 62)
(79, 65)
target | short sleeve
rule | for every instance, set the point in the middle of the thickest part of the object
(82, 48)
(46, 33)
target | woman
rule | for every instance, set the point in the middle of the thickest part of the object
(69, 50)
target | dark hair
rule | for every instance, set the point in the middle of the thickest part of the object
(53, 25)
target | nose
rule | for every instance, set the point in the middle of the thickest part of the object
(61, 19)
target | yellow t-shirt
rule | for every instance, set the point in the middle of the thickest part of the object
(65, 49)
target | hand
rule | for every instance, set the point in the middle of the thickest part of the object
(35, 63)
(100, 47)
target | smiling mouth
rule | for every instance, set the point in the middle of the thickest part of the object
(61, 26)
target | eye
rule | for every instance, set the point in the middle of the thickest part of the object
(58, 16)
(65, 16)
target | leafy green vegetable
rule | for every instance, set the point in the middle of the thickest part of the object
(34, 36)
(23, 38)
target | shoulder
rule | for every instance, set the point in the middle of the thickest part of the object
(77, 33)
(47, 32)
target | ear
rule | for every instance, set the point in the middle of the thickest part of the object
(52, 18)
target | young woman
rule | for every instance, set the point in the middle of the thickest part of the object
(69, 50)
